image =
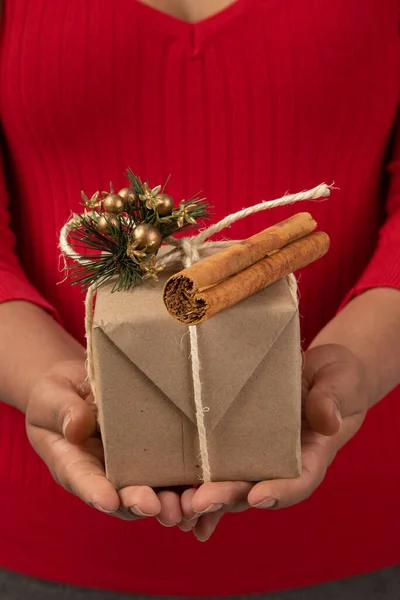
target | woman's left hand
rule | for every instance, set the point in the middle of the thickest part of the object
(335, 398)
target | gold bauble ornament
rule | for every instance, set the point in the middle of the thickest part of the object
(113, 203)
(148, 237)
(128, 195)
(105, 221)
(164, 204)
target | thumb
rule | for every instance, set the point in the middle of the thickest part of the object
(333, 388)
(322, 406)
(79, 422)
(56, 405)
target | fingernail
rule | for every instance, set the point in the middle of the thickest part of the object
(266, 503)
(186, 526)
(210, 509)
(66, 422)
(337, 414)
(168, 524)
(139, 513)
(103, 510)
(200, 539)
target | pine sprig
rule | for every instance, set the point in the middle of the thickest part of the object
(109, 252)
(137, 184)
(135, 181)
(110, 257)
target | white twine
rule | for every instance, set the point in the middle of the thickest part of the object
(190, 256)
(89, 316)
(67, 250)
(187, 251)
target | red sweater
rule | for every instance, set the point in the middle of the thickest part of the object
(266, 96)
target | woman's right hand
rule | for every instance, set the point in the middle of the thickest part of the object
(61, 426)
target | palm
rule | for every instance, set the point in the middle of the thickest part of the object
(61, 426)
(332, 378)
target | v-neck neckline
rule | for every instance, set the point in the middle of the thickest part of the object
(201, 29)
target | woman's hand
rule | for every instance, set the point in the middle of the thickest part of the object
(351, 365)
(335, 398)
(61, 426)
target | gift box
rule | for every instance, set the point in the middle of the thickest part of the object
(193, 346)
(250, 368)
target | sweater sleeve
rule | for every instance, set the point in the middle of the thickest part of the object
(383, 270)
(14, 284)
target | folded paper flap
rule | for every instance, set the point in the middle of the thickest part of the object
(231, 345)
(138, 324)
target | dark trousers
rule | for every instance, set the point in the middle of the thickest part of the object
(382, 585)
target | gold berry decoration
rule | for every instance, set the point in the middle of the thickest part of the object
(113, 203)
(148, 237)
(121, 233)
(164, 204)
(128, 195)
(104, 222)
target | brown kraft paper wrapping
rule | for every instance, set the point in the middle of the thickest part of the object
(251, 384)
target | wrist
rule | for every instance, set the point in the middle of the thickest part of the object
(369, 327)
(32, 344)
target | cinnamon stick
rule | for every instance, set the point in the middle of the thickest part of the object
(232, 260)
(193, 307)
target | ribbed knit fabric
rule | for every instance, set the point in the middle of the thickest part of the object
(266, 96)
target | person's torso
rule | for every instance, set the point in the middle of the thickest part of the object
(264, 97)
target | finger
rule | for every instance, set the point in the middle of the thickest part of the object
(207, 525)
(227, 495)
(126, 515)
(186, 504)
(141, 501)
(57, 407)
(187, 526)
(84, 390)
(287, 492)
(170, 513)
(76, 469)
(189, 517)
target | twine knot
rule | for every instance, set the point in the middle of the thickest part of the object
(189, 251)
